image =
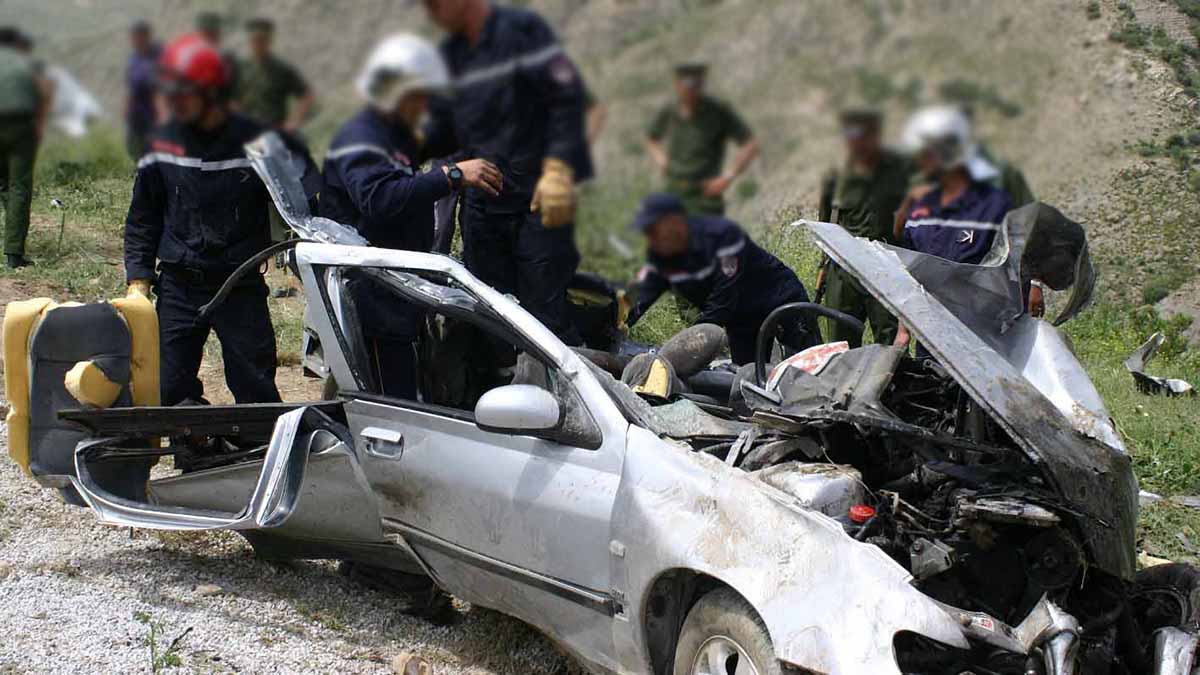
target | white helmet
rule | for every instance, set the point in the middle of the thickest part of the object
(946, 130)
(398, 65)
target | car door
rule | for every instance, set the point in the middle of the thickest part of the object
(509, 521)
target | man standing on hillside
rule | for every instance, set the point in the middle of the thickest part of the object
(520, 105)
(140, 111)
(687, 139)
(267, 83)
(862, 197)
(197, 213)
(24, 106)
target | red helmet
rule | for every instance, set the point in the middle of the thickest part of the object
(192, 61)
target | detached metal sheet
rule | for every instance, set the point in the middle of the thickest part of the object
(1017, 368)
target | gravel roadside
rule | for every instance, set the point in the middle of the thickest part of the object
(77, 596)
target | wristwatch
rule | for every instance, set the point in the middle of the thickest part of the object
(455, 175)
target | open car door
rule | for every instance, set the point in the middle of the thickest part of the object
(506, 511)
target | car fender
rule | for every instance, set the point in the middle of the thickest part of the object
(829, 602)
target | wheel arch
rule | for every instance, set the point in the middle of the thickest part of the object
(668, 600)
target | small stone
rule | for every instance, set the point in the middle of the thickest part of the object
(411, 664)
(206, 590)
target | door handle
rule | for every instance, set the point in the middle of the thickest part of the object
(383, 443)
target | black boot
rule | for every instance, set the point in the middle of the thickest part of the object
(17, 260)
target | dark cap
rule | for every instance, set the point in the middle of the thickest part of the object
(860, 116)
(691, 69)
(9, 36)
(260, 24)
(139, 26)
(654, 208)
(208, 22)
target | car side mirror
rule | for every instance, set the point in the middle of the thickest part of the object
(519, 409)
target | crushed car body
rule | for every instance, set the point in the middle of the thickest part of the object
(856, 511)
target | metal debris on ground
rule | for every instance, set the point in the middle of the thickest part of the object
(1150, 384)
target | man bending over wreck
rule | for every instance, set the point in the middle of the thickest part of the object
(714, 265)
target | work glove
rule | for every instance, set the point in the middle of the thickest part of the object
(554, 196)
(138, 287)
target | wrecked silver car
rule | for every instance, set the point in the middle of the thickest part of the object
(841, 511)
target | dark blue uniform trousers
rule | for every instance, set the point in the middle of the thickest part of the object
(243, 326)
(515, 254)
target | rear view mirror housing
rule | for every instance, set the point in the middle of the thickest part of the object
(519, 410)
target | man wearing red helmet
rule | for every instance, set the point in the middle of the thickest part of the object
(198, 211)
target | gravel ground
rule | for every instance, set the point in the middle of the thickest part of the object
(77, 596)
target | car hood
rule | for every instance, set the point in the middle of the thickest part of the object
(1019, 369)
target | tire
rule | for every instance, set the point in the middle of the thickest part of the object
(1167, 595)
(722, 626)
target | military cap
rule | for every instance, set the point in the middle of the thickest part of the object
(260, 24)
(654, 208)
(209, 22)
(691, 69)
(860, 116)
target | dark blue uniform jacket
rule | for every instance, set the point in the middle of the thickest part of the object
(519, 99)
(372, 184)
(733, 281)
(197, 203)
(961, 231)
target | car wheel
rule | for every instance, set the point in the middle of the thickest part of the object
(1167, 595)
(723, 635)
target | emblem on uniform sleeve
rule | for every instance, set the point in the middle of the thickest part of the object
(562, 70)
(729, 265)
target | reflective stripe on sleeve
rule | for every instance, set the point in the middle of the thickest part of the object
(192, 162)
(367, 148)
(682, 277)
(947, 222)
(505, 68)
(732, 249)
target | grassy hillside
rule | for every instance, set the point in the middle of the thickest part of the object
(1090, 98)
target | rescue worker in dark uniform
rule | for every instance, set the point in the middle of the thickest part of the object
(863, 198)
(715, 266)
(519, 104)
(958, 218)
(198, 212)
(373, 185)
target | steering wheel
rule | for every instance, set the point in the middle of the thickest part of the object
(766, 333)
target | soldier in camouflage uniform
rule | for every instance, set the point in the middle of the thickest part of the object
(687, 138)
(267, 83)
(862, 197)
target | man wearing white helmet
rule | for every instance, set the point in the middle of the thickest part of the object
(373, 183)
(957, 219)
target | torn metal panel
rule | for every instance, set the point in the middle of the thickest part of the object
(1151, 384)
(969, 317)
(830, 605)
